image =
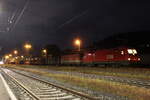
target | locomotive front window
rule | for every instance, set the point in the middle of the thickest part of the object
(132, 51)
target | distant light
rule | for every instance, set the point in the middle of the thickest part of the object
(89, 54)
(1, 62)
(10, 55)
(122, 52)
(15, 52)
(129, 59)
(44, 51)
(77, 42)
(139, 59)
(28, 46)
(6, 57)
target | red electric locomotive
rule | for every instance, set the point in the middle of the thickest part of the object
(115, 56)
(120, 56)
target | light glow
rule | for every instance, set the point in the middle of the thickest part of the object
(15, 52)
(89, 54)
(130, 51)
(129, 59)
(139, 59)
(134, 51)
(10, 55)
(28, 46)
(78, 42)
(44, 51)
(1, 62)
(6, 57)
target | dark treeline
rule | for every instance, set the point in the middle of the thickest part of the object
(138, 40)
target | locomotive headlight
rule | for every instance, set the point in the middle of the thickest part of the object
(130, 51)
(129, 59)
(89, 54)
(139, 59)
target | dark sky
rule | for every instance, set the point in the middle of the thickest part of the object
(60, 21)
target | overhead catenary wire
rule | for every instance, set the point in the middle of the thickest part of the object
(21, 14)
(73, 18)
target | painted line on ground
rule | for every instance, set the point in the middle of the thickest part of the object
(12, 96)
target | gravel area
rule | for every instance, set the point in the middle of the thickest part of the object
(130, 81)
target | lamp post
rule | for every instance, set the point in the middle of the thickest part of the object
(15, 55)
(44, 51)
(6, 59)
(10, 55)
(77, 42)
(15, 52)
(27, 47)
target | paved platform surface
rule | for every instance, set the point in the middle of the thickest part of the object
(3, 92)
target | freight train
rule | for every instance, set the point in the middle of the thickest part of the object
(115, 56)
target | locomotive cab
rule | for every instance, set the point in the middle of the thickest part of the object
(132, 55)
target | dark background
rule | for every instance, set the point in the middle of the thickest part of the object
(42, 22)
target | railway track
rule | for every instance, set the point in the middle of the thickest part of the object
(130, 81)
(35, 89)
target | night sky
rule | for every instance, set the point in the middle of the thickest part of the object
(58, 22)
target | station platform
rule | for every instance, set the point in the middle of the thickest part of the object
(5, 92)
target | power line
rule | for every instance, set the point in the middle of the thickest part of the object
(21, 14)
(72, 19)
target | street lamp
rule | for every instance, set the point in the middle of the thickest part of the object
(22, 56)
(44, 51)
(77, 42)
(6, 57)
(27, 46)
(15, 52)
(10, 55)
